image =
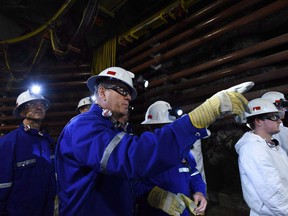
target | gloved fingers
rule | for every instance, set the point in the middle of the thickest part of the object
(239, 103)
(189, 203)
(244, 102)
(242, 87)
(226, 104)
(175, 213)
(180, 204)
(173, 205)
(232, 102)
(166, 201)
(177, 204)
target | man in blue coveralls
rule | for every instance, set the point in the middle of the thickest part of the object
(27, 175)
(96, 160)
(184, 180)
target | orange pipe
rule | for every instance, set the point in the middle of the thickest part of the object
(175, 28)
(265, 45)
(259, 14)
(182, 36)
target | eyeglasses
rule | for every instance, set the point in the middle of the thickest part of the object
(122, 91)
(33, 105)
(272, 117)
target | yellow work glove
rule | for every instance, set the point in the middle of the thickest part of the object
(190, 204)
(166, 201)
(222, 102)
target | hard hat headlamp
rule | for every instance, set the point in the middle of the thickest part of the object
(281, 104)
(175, 111)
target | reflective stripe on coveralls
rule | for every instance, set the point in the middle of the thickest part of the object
(195, 173)
(25, 163)
(6, 185)
(111, 146)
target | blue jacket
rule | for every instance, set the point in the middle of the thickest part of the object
(27, 175)
(183, 178)
(95, 162)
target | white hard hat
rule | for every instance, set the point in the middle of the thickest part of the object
(273, 96)
(114, 73)
(260, 106)
(84, 101)
(158, 113)
(25, 97)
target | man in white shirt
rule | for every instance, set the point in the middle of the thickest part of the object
(262, 163)
(278, 99)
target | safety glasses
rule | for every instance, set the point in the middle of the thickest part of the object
(271, 117)
(121, 90)
(33, 105)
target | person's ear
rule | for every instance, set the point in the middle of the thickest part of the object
(23, 113)
(258, 121)
(102, 93)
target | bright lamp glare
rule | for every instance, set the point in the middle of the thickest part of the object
(146, 83)
(36, 89)
(141, 82)
(176, 112)
(93, 98)
(179, 112)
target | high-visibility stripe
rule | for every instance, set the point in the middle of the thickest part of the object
(183, 169)
(195, 173)
(26, 162)
(108, 151)
(6, 185)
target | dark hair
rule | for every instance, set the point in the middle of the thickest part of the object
(251, 120)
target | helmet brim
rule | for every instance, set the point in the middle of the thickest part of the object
(16, 110)
(156, 122)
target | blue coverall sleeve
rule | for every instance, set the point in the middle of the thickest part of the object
(197, 184)
(134, 157)
(196, 181)
(6, 173)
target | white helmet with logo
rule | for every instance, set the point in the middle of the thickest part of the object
(260, 106)
(25, 97)
(84, 101)
(274, 97)
(114, 73)
(158, 113)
